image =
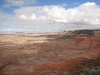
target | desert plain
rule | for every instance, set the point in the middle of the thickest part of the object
(62, 53)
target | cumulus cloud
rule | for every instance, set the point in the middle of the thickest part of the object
(24, 17)
(54, 18)
(87, 13)
(19, 2)
(30, 13)
(89, 4)
(32, 17)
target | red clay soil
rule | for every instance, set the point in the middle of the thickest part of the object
(77, 40)
(92, 41)
(87, 41)
(68, 64)
(62, 65)
(1, 74)
(1, 44)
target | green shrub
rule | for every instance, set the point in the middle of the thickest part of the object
(64, 37)
(88, 32)
(66, 73)
(93, 71)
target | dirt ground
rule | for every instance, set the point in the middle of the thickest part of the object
(40, 55)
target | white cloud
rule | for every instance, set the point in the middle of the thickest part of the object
(89, 4)
(41, 18)
(33, 17)
(23, 17)
(87, 13)
(54, 17)
(55, 13)
(30, 13)
(5, 23)
(19, 2)
(7, 19)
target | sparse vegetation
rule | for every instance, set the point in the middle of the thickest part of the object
(93, 71)
(84, 32)
(66, 73)
(64, 37)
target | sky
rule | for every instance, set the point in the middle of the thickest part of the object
(48, 15)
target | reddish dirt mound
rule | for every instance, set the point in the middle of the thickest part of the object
(88, 41)
(77, 40)
(62, 65)
(93, 41)
(1, 74)
(67, 65)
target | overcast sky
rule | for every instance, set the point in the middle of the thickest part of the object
(48, 15)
